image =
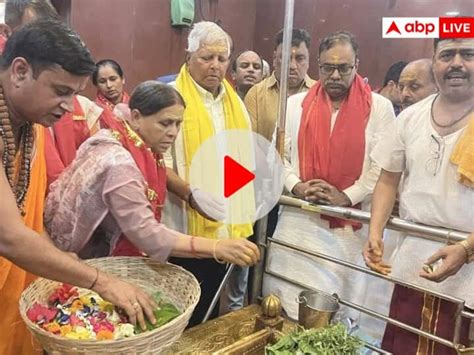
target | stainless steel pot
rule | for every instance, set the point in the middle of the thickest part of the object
(316, 308)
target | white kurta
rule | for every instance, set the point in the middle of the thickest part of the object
(309, 231)
(430, 194)
(174, 212)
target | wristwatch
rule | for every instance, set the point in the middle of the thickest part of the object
(469, 250)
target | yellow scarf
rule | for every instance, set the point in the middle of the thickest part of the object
(197, 128)
(463, 155)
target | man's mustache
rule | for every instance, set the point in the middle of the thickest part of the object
(456, 73)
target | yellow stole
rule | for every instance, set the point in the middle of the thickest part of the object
(14, 337)
(197, 127)
(463, 155)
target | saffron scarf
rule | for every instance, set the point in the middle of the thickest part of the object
(197, 128)
(463, 155)
(14, 336)
(150, 165)
(336, 157)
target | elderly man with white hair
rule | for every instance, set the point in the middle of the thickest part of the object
(212, 106)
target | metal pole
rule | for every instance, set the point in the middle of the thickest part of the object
(457, 324)
(467, 314)
(455, 300)
(427, 232)
(286, 55)
(423, 231)
(374, 348)
(218, 293)
(260, 230)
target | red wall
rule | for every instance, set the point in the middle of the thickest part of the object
(137, 33)
(361, 17)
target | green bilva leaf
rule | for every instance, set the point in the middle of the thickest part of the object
(165, 313)
(329, 340)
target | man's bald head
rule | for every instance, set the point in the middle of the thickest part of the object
(422, 65)
(416, 82)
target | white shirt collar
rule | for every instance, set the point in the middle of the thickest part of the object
(208, 95)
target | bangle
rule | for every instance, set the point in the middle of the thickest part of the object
(468, 249)
(214, 252)
(193, 249)
(96, 278)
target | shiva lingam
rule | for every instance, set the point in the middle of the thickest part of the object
(270, 316)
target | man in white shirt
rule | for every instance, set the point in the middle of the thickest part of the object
(330, 132)
(424, 148)
(212, 106)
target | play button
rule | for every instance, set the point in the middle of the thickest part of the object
(235, 176)
(239, 171)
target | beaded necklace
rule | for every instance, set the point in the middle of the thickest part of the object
(452, 123)
(19, 181)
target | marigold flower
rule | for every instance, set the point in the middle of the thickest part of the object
(53, 327)
(105, 335)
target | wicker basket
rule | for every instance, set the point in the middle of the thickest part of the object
(176, 284)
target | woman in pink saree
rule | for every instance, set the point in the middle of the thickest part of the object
(109, 200)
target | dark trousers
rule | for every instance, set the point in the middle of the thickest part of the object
(272, 220)
(209, 274)
(424, 312)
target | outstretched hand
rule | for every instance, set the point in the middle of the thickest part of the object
(238, 251)
(373, 255)
(453, 257)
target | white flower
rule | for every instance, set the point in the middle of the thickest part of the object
(124, 330)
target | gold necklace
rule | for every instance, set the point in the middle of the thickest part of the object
(135, 138)
(18, 182)
(452, 123)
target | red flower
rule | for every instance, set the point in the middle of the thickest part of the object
(41, 314)
(62, 294)
(101, 325)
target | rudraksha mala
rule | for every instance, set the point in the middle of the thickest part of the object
(18, 181)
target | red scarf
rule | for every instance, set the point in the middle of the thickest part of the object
(153, 171)
(103, 102)
(336, 157)
(3, 42)
(69, 133)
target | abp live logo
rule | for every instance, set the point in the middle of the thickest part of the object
(428, 27)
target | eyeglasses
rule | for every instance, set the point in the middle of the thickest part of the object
(343, 69)
(436, 151)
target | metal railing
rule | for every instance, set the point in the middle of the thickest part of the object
(414, 229)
